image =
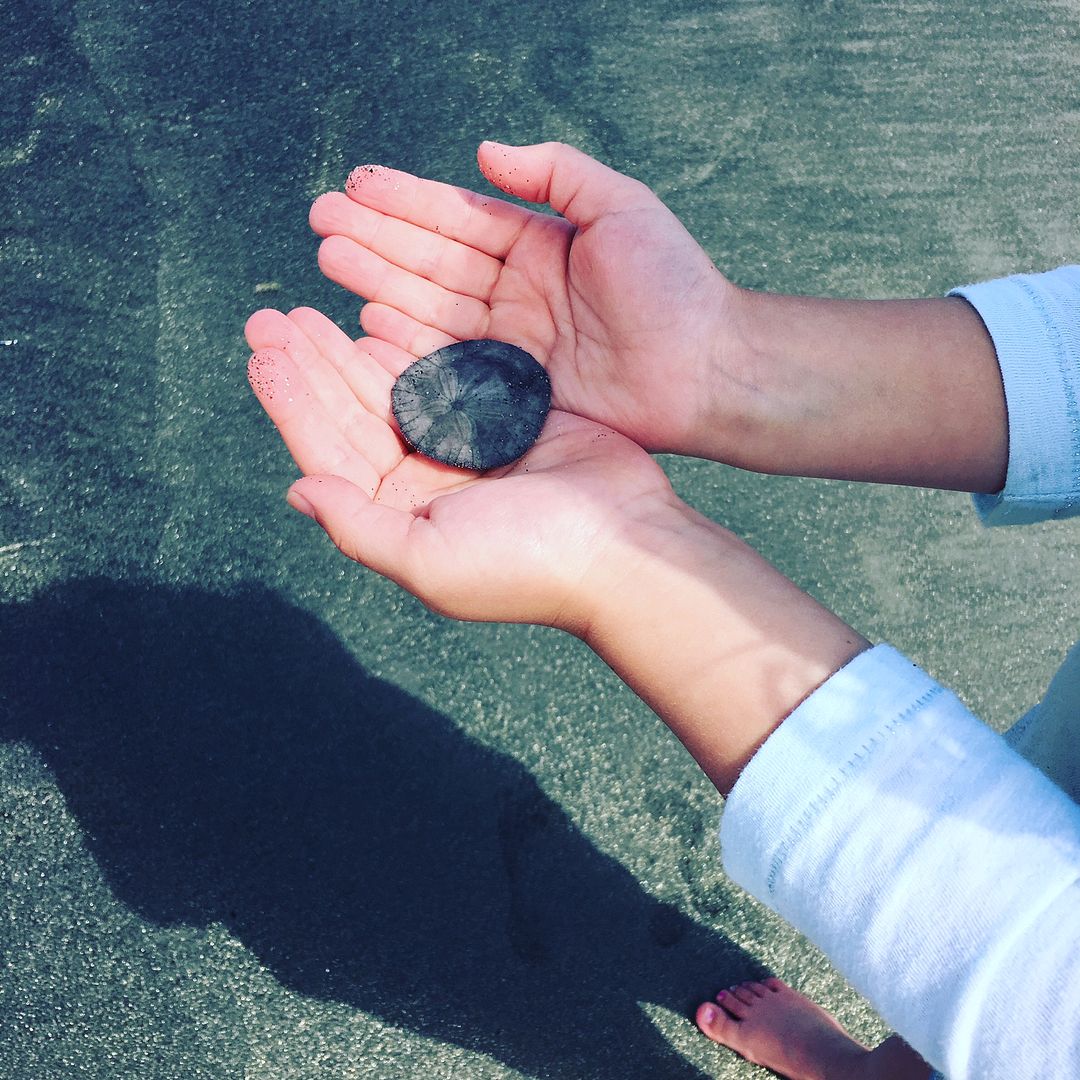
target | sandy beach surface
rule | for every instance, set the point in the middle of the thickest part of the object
(264, 816)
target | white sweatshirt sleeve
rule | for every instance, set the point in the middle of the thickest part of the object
(1034, 321)
(938, 870)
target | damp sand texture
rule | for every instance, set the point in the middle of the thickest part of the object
(261, 814)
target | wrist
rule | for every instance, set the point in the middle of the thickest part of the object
(889, 391)
(632, 574)
(733, 393)
(596, 600)
(719, 643)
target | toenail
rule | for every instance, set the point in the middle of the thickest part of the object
(708, 1014)
(722, 994)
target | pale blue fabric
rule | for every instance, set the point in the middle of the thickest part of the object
(938, 869)
(1034, 321)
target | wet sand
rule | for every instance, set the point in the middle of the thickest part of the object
(261, 814)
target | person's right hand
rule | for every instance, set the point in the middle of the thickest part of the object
(583, 533)
(544, 539)
(614, 297)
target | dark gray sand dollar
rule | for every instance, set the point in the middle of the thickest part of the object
(475, 404)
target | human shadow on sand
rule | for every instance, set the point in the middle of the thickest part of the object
(228, 761)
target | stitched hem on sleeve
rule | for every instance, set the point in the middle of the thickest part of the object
(812, 756)
(1034, 321)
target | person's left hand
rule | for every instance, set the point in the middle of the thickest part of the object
(529, 542)
(637, 328)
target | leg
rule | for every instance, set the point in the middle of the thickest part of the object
(770, 1024)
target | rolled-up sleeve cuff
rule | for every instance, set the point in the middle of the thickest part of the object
(925, 857)
(1034, 321)
(819, 751)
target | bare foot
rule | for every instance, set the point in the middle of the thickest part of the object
(770, 1024)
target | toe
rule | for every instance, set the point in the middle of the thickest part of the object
(775, 985)
(743, 993)
(731, 1003)
(716, 1023)
(756, 988)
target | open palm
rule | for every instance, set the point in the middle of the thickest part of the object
(512, 544)
(614, 297)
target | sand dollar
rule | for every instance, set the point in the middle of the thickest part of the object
(475, 404)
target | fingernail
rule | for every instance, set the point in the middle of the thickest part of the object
(708, 1014)
(298, 502)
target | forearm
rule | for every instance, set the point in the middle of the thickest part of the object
(719, 643)
(892, 391)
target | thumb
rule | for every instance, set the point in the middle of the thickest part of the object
(366, 532)
(577, 186)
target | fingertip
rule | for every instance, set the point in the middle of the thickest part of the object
(300, 503)
(492, 157)
(256, 323)
(317, 212)
(329, 213)
(264, 373)
(334, 253)
(368, 176)
(491, 146)
(268, 328)
(310, 494)
(313, 486)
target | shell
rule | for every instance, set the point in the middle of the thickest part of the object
(475, 404)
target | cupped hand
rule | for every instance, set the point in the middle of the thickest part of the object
(524, 543)
(614, 297)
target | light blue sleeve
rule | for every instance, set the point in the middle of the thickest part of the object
(1034, 321)
(938, 870)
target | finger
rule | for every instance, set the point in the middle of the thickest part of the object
(388, 356)
(424, 252)
(367, 532)
(316, 444)
(263, 330)
(486, 224)
(373, 433)
(367, 378)
(577, 186)
(393, 326)
(371, 276)
(269, 329)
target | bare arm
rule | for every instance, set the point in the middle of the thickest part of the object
(641, 332)
(720, 644)
(585, 533)
(892, 391)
